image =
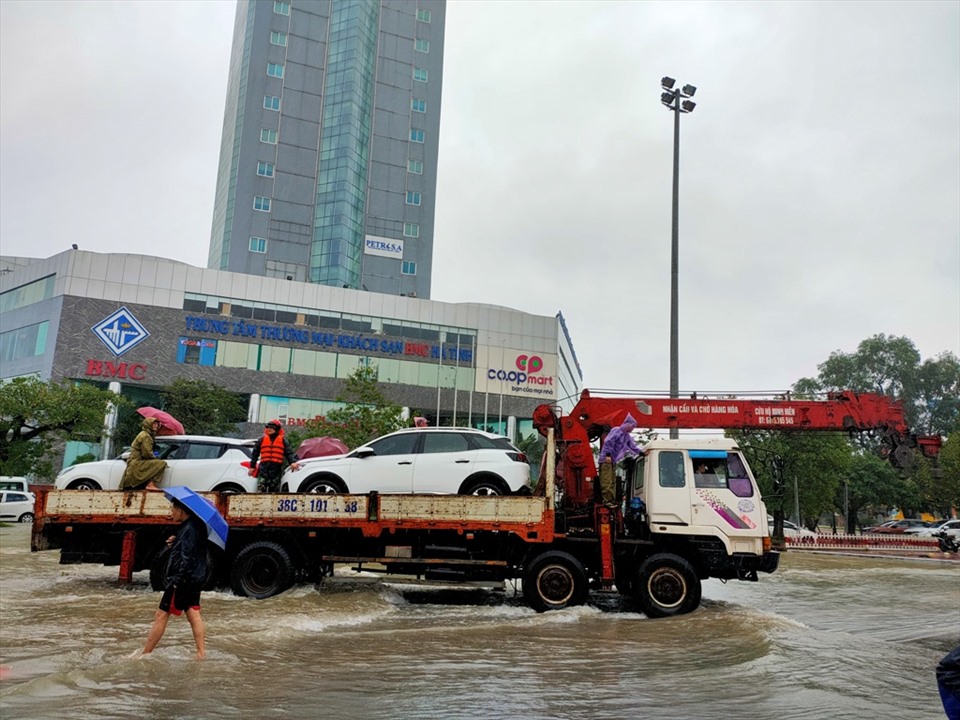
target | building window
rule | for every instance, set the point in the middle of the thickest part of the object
(278, 38)
(265, 169)
(423, 15)
(413, 198)
(275, 70)
(261, 203)
(416, 135)
(268, 136)
(408, 268)
(421, 45)
(411, 230)
(418, 105)
(281, 8)
(271, 102)
(419, 74)
(197, 351)
(258, 245)
(415, 167)
(25, 342)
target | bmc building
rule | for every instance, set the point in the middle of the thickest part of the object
(136, 323)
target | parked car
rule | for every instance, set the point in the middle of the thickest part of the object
(790, 529)
(421, 460)
(16, 483)
(16, 506)
(897, 527)
(200, 462)
(917, 530)
(951, 527)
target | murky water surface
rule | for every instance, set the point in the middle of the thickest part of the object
(825, 637)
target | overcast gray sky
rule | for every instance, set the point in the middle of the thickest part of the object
(820, 171)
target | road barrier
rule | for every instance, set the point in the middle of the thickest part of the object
(879, 543)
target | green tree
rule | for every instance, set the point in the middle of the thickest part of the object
(365, 413)
(815, 464)
(34, 415)
(203, 408)
(942, 494)
(872, 485)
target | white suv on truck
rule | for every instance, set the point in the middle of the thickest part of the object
(418, 460)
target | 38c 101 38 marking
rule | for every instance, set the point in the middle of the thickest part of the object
(320, 504)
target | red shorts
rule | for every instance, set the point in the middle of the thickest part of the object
(177, 600)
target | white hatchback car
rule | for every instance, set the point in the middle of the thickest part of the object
(16, 506)
(418, 460)
(199, 462)
(790, 529)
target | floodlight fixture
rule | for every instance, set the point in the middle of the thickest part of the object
(688, 90)
(667, 99)
(667, 83)
(688, 105)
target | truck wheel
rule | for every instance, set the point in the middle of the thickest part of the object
(667, 585)
(554, 580)
(158, 570)
(324, 485)
(261, 570)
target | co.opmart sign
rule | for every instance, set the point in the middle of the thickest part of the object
(526, 377)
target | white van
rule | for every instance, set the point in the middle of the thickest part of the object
(17, 484)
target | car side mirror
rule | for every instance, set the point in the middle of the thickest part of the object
(364, 452)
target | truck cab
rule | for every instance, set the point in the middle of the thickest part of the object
(700, 488)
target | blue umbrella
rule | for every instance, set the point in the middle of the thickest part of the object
(203, 509)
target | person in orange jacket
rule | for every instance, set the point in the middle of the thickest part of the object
(272, 451)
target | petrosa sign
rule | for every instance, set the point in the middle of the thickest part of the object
(383, 247)
(528, 375)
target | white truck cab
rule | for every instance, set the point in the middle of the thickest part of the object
(701, 487)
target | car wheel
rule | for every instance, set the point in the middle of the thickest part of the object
(158, 570)
(84, 484)
(554, 580)
(26, 518)
(324, 485)
(261, 570)
(229, 489)
(667, 585)
(484, 486)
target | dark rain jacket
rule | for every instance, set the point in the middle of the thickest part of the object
(276, 451)
(187, 567)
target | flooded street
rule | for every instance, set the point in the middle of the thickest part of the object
(824, 637)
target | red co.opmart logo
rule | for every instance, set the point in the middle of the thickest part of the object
(529, 363)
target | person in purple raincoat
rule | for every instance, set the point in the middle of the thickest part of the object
(616, 446)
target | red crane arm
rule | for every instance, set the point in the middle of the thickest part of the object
(845, 411)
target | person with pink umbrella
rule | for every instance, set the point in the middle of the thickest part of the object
(143, 469)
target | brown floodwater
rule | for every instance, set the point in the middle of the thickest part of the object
(824, 637)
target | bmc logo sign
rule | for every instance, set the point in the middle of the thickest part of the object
(120, 331)
(107, 369)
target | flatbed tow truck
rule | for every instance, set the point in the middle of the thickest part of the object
(669, 529)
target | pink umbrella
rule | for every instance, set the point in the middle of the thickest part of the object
(169, 425)
(321, 447)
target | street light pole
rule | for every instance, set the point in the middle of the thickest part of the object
(676, 100)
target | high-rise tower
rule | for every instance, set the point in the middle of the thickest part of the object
(328, 162)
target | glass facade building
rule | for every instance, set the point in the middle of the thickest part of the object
(331, 124)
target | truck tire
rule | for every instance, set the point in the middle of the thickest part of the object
(324, 485)
(261, 570)
(554, 580)
(667, 585)
(158, 570)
